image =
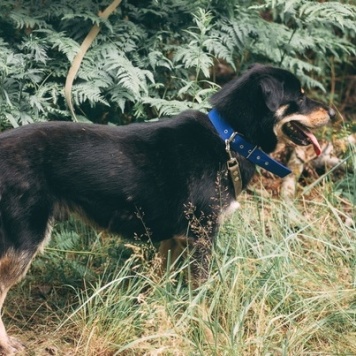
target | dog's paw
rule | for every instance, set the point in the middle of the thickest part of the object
(12, 347)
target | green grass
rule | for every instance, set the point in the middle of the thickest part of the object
(282, 282)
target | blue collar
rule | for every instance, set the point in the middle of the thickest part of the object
(245, 148)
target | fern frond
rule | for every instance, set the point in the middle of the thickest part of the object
(168, 107)
(132, 78)
(23, 19)
(10, 118)
(195, 54)
(120, 96)
(66, 240)
(60, 41)
(157, 59)
(86, 16)
(194, 57)
(334, 13)
(88, 92)
(160, 52)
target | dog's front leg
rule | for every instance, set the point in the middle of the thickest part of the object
(170, 251)
(180, 247)
(201, 258)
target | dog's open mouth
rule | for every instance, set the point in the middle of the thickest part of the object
(301, 135)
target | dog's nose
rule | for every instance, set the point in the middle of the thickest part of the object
(332, 114)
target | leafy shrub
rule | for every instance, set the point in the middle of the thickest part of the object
(157, 58)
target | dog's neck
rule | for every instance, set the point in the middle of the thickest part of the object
(244, 148)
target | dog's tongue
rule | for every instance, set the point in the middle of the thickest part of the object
(300, 135)
(314, 142)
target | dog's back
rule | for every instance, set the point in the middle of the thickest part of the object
(122, 179)
(163, 181)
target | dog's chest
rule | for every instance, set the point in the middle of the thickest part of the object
(229, 211)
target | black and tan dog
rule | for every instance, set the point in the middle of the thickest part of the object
(168, 181)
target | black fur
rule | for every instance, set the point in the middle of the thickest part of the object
(137, 179)
(124, 179)
(153, 180)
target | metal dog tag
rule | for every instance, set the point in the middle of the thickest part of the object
(235, 175)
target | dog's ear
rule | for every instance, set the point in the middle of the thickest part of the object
(272, 91)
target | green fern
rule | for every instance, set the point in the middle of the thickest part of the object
(59, 40)
(195, 54)
(88, 92)
(148, 56)
(35, 48)
(333, 14)
(129, 82)
(170, 107)
(23, 19)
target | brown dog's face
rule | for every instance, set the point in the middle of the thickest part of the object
(295, 119)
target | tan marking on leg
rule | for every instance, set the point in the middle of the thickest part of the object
(8, 345)
(199, 251)
(13, 267)
(47, 236)
(177, 246)
(4, 339)
(289, 183)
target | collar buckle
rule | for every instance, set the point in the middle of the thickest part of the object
(228, 146)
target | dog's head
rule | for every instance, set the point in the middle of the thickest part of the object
(268, 105)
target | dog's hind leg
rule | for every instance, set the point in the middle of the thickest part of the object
(15, 260)
(13, 266)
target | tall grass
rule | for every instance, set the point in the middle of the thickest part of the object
(282, 282)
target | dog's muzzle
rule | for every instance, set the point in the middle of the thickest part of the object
(297, 127)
